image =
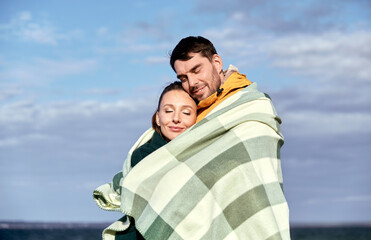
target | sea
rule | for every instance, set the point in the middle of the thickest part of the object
(91, 231)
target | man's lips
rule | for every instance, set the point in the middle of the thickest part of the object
(198, 90)
(176, 129)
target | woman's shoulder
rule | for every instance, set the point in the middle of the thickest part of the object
(143, 151)
(140, 153)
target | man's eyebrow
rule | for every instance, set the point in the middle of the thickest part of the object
(195, 67)
(192, 70)
(180, 75)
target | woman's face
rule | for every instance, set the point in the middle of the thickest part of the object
(177, 112)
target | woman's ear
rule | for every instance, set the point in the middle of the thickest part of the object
(157, 119)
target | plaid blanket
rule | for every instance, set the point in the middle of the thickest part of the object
(221, 179)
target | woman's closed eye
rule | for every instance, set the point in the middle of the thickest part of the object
(187, 112)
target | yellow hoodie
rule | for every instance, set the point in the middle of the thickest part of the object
(234, 83)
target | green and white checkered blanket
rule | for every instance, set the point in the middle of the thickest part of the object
(221, 179)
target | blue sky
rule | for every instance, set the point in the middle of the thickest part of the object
(79, 81)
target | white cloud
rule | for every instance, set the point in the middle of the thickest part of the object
(15, 141)
(315, 123)
(157, 29)
(65, 67)
(9, 142)
(25, 27)
(57, 139)
(25, 16)
(43, 34)
(283, 17)
(41, 115)
(101, 91)
(324, 48)
(41, 70)
(9, 92)
(340, 55)
(157, 60)
(332, 72)
(345, 199)
(136, 48)
(102, 31)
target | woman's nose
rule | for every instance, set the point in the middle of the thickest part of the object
(176, 118)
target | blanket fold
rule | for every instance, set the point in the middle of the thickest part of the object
(221, 179)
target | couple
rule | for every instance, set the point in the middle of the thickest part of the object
(221, 178)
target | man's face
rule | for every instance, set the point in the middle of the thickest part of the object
(199, 76)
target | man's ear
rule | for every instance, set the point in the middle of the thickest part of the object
(157, 119)
(217, 62)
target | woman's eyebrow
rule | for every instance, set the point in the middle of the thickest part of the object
(172, 105)
(187, 106)
(168, 105)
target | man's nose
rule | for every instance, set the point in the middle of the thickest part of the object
(192, 80)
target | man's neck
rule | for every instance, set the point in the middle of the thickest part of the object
(222, 79)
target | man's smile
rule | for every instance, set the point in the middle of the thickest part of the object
(198, 91)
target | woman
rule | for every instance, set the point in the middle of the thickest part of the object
(176, 112)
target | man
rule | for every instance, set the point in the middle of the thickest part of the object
(200, 69)
(221, 179)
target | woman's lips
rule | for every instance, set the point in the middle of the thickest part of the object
(176, 129)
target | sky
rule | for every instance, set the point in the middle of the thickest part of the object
(79, 82)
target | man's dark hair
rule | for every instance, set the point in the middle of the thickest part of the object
(189, 45)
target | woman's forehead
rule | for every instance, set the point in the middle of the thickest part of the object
(177, 97)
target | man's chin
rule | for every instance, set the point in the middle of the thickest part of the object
(200, 96)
